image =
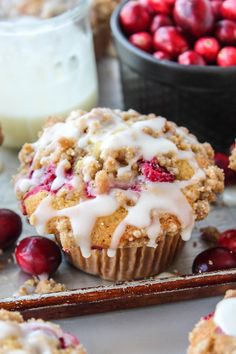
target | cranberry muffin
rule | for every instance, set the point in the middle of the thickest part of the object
(34, 336)
(120, 190)
(216, 333)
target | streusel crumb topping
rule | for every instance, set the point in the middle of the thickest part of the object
(216, 333)
(34, 336)
(119, 172)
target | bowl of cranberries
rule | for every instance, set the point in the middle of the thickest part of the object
(178, 59)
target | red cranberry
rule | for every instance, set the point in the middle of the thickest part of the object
(154, 173)
(170, 2)
(228, 240)
(170, 40)
(10, 228)
(38, 255)
(160, 21)
(228, 9)
(142, 40)
(68, 340)
(161, 6)
(134, 17)
(161, 55)
(191, 58)
(227, 56)
(146, 4)
(208, 48)
(225, 31)
(217, 258)
(209, 316)
(194, 16)
(222, 161)
(216, 8)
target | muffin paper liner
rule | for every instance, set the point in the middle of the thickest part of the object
(128, 263)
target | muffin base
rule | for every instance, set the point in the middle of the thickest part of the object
(129, 263)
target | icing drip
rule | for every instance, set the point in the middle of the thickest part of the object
(225, 316)
(86, 164)
(25, 183)
(147, 145)
(34, 337)
(82, 216)
(155, 199)
(60, 175)
(8, 329)
(198, 175)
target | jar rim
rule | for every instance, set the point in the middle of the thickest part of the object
(15, 28)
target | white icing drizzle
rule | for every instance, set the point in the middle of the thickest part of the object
(105, 129)
(111, 253)
(225, 316)
(60, 175)
(155, 199)
(33, 337)
(52, 134)
(9, 329)
(147, 145)
(198, 175)
(86, 165)
(25, 183)
(229, 196)
(82, 216)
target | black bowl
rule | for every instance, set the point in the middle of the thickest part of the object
(202, 98)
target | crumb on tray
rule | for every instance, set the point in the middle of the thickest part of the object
(210, 234)
(36, 286)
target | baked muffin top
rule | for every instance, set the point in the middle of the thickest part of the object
(216, 333)
(17, 336)
(94, 164)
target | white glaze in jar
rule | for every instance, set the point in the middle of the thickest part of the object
(47, 68)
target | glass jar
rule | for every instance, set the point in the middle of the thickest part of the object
(47, 68)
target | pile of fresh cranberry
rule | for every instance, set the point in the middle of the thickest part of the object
(191, 32)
